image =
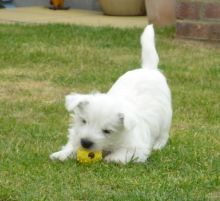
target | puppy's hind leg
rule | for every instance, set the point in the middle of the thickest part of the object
(161, 141)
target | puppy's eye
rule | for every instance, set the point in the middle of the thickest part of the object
(106, 131)
(83, 121)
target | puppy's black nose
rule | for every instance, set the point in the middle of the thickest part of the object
(86, 143)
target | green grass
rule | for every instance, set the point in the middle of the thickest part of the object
(39, 65)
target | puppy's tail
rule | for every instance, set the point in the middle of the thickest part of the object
(150, 57)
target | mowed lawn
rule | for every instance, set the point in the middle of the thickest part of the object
(41, 64)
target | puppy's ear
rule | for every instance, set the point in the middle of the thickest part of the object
(76, 100)
(126, 120)
(81, 105)
(121, 118)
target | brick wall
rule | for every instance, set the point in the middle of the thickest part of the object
(198, 19)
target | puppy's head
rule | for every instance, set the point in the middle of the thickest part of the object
(99, 120)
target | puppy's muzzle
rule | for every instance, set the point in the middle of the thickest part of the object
(86, 143)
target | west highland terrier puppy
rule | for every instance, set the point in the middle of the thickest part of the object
(130, 120)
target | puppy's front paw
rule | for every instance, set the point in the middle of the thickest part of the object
(115, 158)
(60, 155)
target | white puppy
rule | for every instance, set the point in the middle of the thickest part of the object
(128, 121)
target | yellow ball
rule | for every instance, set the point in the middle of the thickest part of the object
(87, 156)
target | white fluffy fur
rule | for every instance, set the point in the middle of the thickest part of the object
(136, 111)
